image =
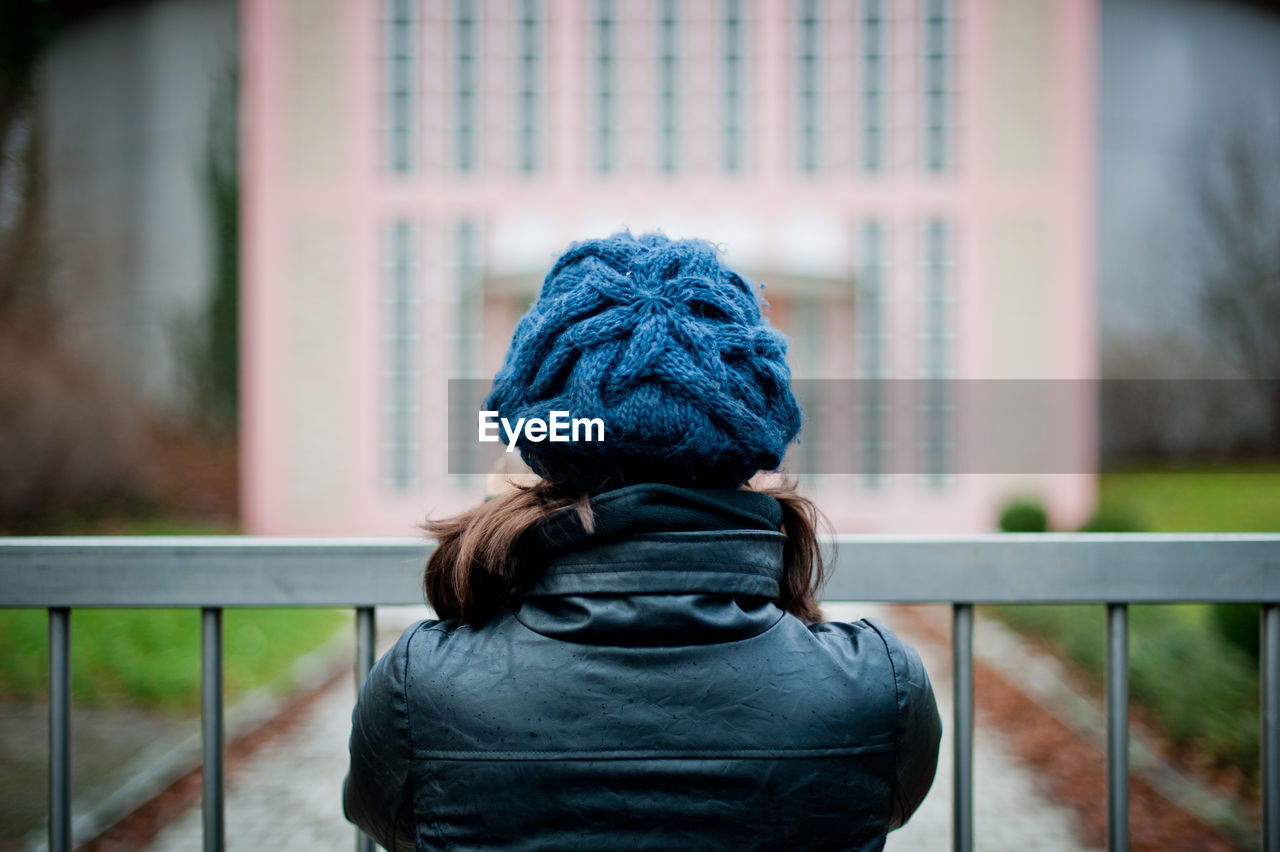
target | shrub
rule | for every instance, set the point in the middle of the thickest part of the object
(1238, 624)
(1024, 516)
(1113, 519)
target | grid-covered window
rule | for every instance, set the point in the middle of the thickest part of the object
(808, 342)
(938, 34)
(668, 85)
(468, 298)
(872, 350)
(530, 85)
(466, 86)
(733, 84)
(399, 85)
(603, 85)
(466, 294)
(874, 60)
(808, 85)
(401, 336)
(936, 312)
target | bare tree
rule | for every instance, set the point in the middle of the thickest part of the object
(1239, 201)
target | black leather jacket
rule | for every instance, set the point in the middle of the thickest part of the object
(646, 694)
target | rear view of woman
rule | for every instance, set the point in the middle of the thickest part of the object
(630, 653)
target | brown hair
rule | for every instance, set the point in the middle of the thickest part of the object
(478, 561)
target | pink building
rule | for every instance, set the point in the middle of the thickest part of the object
(912, 180)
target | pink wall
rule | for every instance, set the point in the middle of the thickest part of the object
(1019, 202)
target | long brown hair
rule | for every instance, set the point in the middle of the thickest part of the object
(478, 561)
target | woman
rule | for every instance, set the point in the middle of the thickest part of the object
(630, 653)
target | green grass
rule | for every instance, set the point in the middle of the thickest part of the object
(1221, 498)
(150, 658)
(1202, 688)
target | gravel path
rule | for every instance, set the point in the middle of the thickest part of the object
(288, 795)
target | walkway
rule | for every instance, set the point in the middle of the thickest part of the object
(288, 796)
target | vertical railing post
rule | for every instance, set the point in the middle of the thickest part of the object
(366, 638)
(59, 729)
(212, 729)
(962, 767)
(1270, 727)
(1117, 675)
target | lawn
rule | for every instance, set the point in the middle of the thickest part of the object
(150, 658)
(1199, 685)
(1225, 498)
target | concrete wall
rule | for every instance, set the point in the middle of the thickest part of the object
(125, 98)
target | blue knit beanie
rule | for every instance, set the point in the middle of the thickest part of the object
(666, 345)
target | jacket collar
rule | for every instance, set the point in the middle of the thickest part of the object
(664, 566)
(741, 562)
(654, 538)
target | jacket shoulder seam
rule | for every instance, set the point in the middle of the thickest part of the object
(899, 695)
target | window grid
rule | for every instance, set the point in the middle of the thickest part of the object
(733, 85)
(466, 86)
(808, 82)
(668, 86)
(809, 312)
(873, 398)
(530, 86)
(468, 301)
(875, 61)
(937, 92)
(400, 57)
(936, 352)
(467, 306)
(401, 347)
(603, 75)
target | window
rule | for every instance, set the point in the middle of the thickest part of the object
(399, 71)
(936, 109)
(466, 86)
(874, 68)
(603, 75)
(808, 82)
(936, 352)
(530, 85)
(468, 299)
(668, 87)
(809, 342)
(873, 398)
(733, 85)
(466, 328)
(401, 346)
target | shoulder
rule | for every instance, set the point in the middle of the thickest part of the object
(866, 638)
(391, 671)
(869, 643)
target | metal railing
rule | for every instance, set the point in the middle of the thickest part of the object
(61, 574)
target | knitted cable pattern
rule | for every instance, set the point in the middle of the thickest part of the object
(667, 345)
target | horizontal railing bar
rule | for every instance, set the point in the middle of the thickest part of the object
(245, 571)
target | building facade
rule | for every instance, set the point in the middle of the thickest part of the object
(911, 180)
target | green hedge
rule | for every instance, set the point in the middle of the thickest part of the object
(1202, 688)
